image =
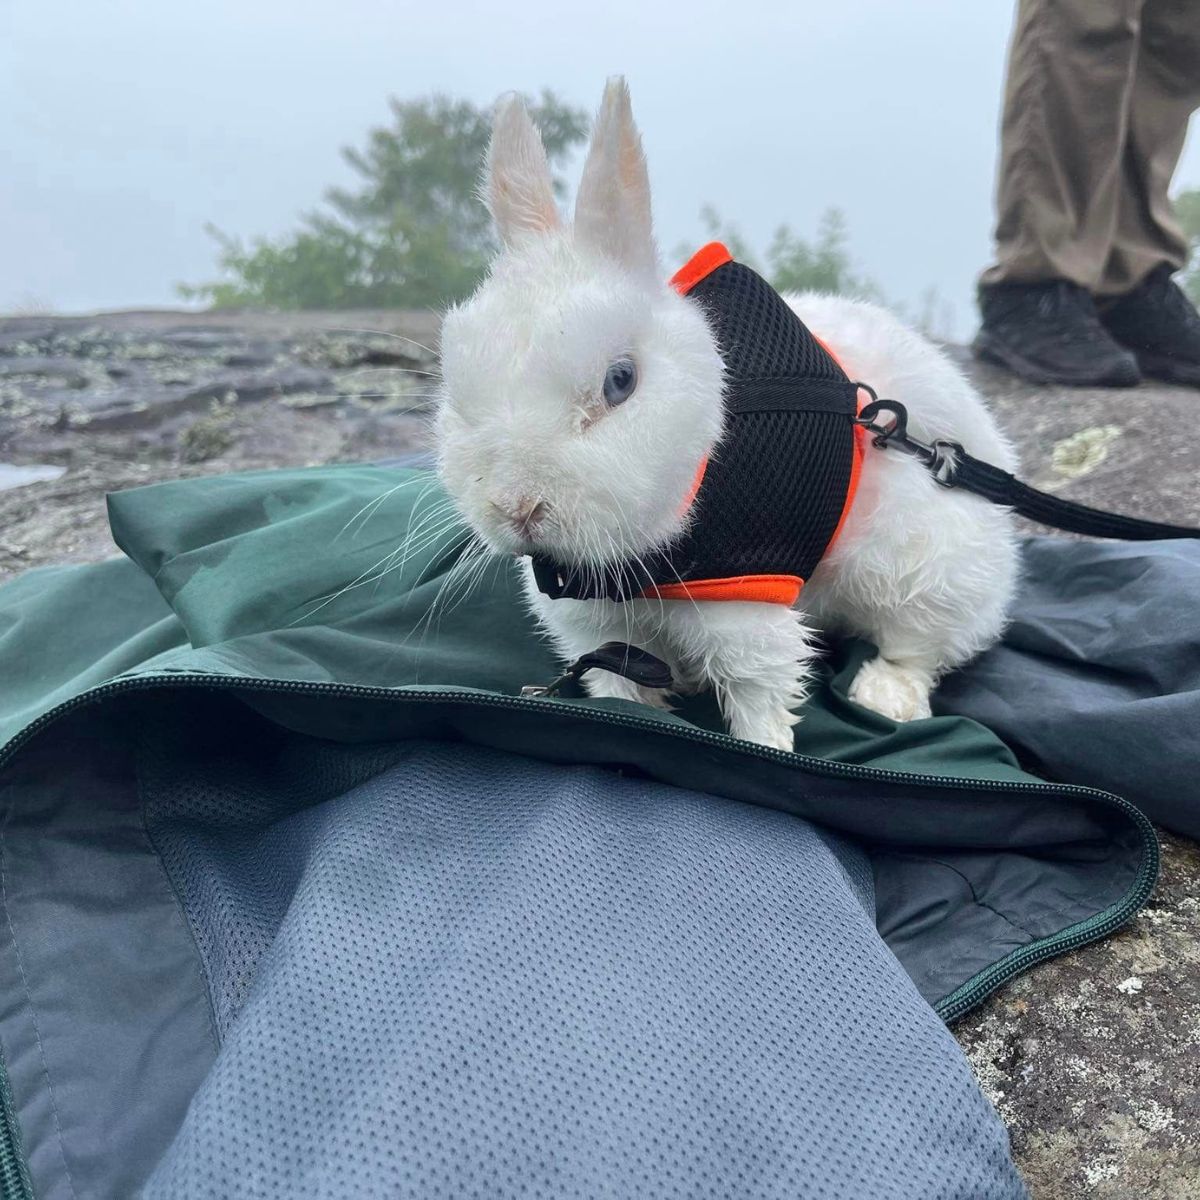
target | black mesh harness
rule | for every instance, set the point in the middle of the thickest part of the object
(781, 481)
(775, 490)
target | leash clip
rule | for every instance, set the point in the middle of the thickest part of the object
(941, 458)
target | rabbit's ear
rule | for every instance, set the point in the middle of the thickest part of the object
(517, 186)
(612, 210)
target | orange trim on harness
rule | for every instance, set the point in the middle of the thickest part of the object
(704, 262)
(860, 441)
(695, 488)
(764, 589)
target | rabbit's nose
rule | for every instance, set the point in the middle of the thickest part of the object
(524, 515)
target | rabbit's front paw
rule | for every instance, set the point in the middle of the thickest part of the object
(765, 727)
(894, 691)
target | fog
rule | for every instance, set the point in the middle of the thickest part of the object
(128, 125)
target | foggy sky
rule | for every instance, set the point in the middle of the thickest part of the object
(125, 125)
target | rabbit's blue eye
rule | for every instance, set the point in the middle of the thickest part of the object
(620, 381)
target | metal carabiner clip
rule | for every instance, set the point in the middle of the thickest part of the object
(941, 458)
(891, 434)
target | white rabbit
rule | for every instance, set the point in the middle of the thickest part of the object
(579, 393)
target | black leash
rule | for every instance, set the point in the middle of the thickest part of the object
(953, 467)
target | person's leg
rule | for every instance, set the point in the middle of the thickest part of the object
(1166, 91)
(1070, 78)
(1140, 305)
(1071, 73)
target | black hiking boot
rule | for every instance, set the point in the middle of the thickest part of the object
(1160, 325)
(1051, 333)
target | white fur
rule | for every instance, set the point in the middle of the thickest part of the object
(612, 208)
(925, 573)
(519, 192)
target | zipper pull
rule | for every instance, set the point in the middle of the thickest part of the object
(618, 657)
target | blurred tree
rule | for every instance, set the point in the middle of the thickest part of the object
(820, 266)
(1187, 209)
(413, 234)
(794, 264)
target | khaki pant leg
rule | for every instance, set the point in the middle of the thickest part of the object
(1066, 109)
(1166, 90)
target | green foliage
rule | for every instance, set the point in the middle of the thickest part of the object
(1187, 209)
(821, 266)
(413, 234)
(794, 264)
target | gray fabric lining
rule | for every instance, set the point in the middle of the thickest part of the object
(375, 925)
(494, 977)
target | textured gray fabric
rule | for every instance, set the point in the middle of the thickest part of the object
(1098, 677)
(478, 975)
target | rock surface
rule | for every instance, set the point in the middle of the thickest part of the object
(1092, 1059)
(127, 398)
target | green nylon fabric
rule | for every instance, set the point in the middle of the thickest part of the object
(280, 575)
(343, 576)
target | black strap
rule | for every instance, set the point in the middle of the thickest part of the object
(1001, 487)
(953, 467)
(618, 657)
(559, 581)
(786, 393)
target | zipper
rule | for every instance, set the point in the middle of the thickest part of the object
(14, 1177)
(14, 1182)
(972, 993)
